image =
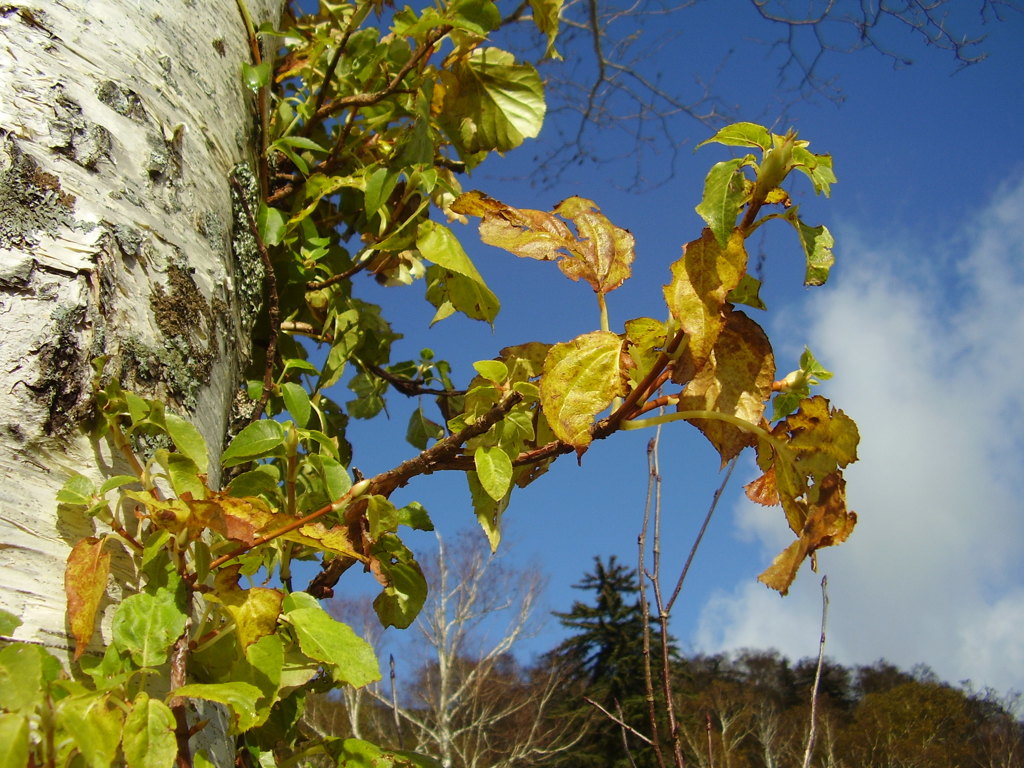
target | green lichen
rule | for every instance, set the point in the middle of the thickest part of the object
(249, 272)
(185, 319)
(63, 372)
(31, 201)
(122, 100)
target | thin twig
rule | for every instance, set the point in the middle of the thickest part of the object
(394, 701)
(812, 731)
(618, 721)
(653, 488)
(700, 536)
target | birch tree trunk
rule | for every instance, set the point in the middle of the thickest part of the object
(120, 122)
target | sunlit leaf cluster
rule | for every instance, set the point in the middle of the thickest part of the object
(369, 118)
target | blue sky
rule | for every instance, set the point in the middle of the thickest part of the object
(922, 323)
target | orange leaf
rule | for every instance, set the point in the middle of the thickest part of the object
(762, 490)
(85, 581)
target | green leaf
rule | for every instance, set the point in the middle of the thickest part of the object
(258, 440)
(183, 474)
(421, 430)
(492, 370)
(94, 727)
(491, 102)
(747, 292)
(494, 470)
(328, 640)
(356, 753)
(415, 516)
(817, 243)
(8, 623)
(77, 490)
(741, 135)
(240, 698)
(300, 142)
(262, 481)
(146, 625)
(477, 16)
(14, 730)
(149, 740)
(271, 224)
(296, 400)
(22, 677)
(381, 516)
(406, 590)
(818, 168)
(471, 296)
(547, 15)
(581, 378)
(488, 511)
(256, 76)
(117, 481)
(724, 197)
(379, 187)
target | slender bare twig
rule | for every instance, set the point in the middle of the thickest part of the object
(618, 720)
(812, 731)
(394, 701)
(700, 535)
(653, 500)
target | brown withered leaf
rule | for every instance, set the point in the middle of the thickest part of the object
(696, 297)
(828, 523)
(85, 581)
(736, 381)
(604, 252)
(600, 253)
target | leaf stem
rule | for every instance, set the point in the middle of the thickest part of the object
(736, 421)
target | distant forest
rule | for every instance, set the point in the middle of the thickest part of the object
(584, 704)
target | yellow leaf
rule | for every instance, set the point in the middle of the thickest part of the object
(736, 381)
(581, 378)
(701, 282)
(85, 581)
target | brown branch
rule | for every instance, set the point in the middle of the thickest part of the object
(178, 678)
(369, 99)
(273, 304)
(315, 285)
(411, 387)
(357, 18)
(440, 454)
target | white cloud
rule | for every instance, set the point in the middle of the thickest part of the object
(927, 343)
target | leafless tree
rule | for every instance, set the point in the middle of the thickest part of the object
(461, 695)
(608, 81)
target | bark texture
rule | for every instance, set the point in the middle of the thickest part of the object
(120, 122)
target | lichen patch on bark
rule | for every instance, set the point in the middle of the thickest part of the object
(31, 200)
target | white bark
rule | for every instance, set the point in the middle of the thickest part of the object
(120, 122)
